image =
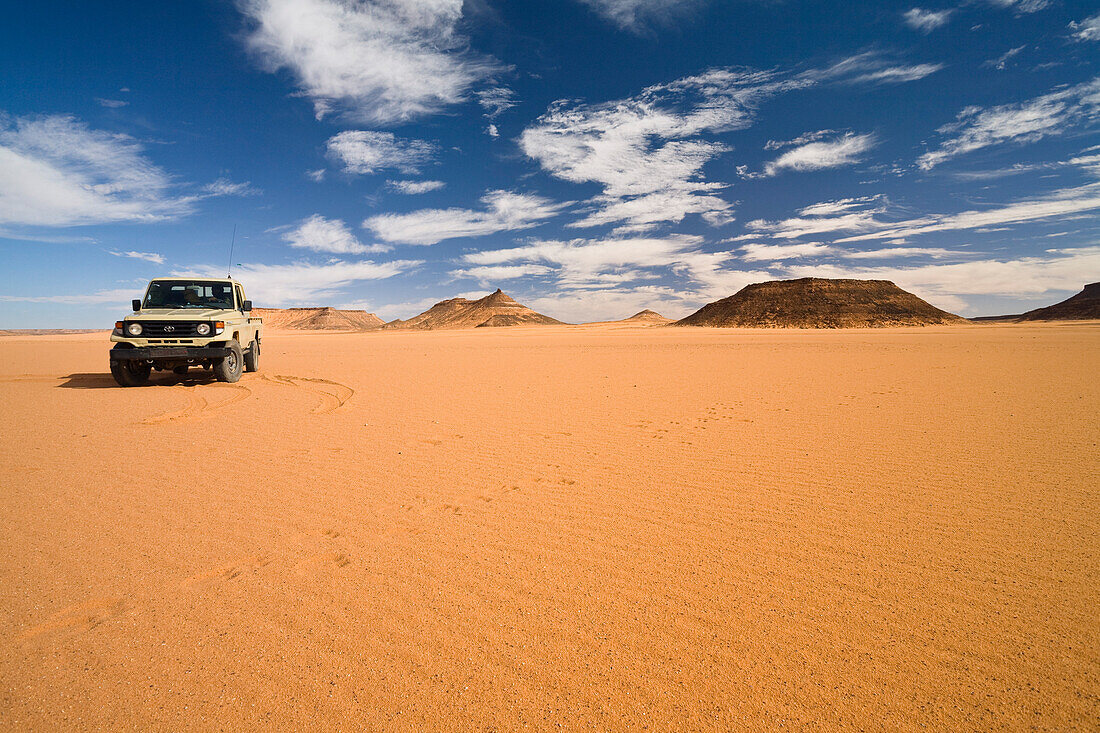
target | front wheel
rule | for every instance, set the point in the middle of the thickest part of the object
(130, 373)
(229, 368)
(252, 357)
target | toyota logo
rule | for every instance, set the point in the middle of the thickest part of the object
(169, 329)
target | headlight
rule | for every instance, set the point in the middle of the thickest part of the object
(134, 329)
(203, 329)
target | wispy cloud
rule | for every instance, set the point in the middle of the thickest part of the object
(156, 259)
(121, 295)
(56, 172)
(646, 151)
(415, 187)
(1022, 7)
(776, 252)
(304, 283)
(226, 187)
(377, 61)
(582, 261)
(1001, 62)
(638, 15)
(871, 67)
(363, 152)
(926, 21)
(504, 211)
(1087, 29)
(866, 220)
(496, 100)
(1024, 122)
(111, 103)
(844, 150)
(328, 235)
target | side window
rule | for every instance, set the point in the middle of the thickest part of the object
(240, 295)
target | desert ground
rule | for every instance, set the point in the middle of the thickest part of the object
(603, 527)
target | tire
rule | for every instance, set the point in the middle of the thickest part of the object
(252, 357)
(228, 369)
(130, 373)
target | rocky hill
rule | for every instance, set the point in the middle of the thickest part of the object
(1083, 306)
(648, 316)
(318, 319)
(820, 303)
(495, 310)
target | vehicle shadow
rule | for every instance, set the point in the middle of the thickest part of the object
(106, 381)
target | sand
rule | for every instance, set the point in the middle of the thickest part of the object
(672, 529)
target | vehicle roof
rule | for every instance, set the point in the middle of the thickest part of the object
(199, 279)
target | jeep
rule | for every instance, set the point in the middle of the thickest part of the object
(183, 323)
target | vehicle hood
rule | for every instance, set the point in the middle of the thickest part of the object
(179, 314)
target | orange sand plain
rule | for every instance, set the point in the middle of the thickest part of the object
(597, 527)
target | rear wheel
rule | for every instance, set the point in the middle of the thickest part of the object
(252, 357)
(130, 373)
(229, 368)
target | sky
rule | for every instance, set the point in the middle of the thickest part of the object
(590, 157)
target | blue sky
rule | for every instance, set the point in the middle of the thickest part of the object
(591, 157)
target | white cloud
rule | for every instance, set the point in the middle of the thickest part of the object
(120, 296)
(316, 176)
(364, 152)
(156, 259)
(864, 220)
(1023, 122)
(376, 61)
(55, 171)
(891, 252)
(1023, 6)
(328, 235)
(582, 261)
(871, 67)
(776, 252)
(303, 283)
(645, 151)
(1001, 62)
(225, 187)
(415, 187)
(111, 103)
(636, 15)
(492, 131)
(1087, 29)
(926, 21)
(505, 211)
(496, 101)
(492, 273)
(841, 151)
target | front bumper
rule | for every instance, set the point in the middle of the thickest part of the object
(153, 353)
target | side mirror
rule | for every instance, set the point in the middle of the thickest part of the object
(246, 306)
(136, 304)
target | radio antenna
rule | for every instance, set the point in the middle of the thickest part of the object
(232, 242)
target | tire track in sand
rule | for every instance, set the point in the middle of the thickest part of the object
(199, 406)
(79, 617)
(333, 394)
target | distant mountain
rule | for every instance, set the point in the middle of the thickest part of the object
(641, 318)
(495, 310)
(648, 316)
(318, 319)
(1083, 306)
(820, 303)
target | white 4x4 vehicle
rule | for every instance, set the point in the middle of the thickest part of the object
(185, 322)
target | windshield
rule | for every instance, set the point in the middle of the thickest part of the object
(189, 294)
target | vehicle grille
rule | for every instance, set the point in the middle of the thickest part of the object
(170, 329)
